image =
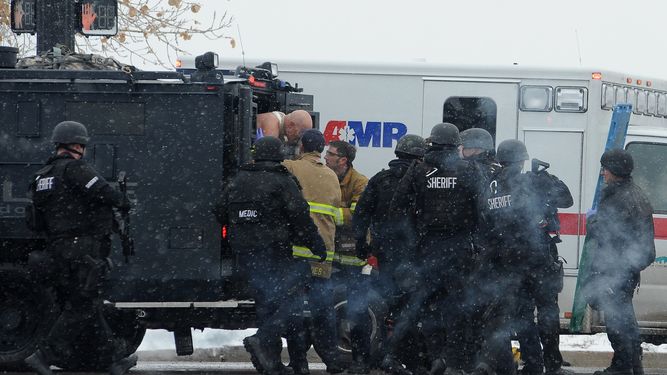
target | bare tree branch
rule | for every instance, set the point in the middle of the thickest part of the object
(146, 29)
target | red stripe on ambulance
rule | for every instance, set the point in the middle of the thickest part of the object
(575, 224)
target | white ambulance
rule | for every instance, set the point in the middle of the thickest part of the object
(563, 116)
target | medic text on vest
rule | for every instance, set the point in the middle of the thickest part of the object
(247, 213)
(372, 134)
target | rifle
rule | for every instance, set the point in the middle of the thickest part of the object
(537, 166)
(551, 223)
(124, 224)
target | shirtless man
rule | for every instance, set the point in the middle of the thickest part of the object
(287, 128)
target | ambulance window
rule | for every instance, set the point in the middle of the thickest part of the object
(649, 172)
(471, 112)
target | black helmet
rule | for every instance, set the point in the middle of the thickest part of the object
(445, 134)
(68, 132)
(269, 148)
(618, 162)
(511, 150)
(477, 138)
(411, 144)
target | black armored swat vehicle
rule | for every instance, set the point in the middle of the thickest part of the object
(177, 140)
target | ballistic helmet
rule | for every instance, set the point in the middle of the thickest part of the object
(477, 138)
(511, 150)
(445, 134)
(68, 132)
(618, 162)
(269, 148)
(312, 140)
(411, 144)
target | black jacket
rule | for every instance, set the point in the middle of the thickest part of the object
(623, 230)
(73, 199)
(441, 194)
(389, 233)
(266, 213)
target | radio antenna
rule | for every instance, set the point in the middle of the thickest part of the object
(238, 28)
(576, 35)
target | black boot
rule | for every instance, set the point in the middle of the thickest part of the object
(38, 362)
(333, 367)
(121, 367)
(261, 359)
(438, 367)
(299, 368)
(360, 351)
(392, 365)
(359, 364)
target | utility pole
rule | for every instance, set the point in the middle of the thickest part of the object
(56, 24)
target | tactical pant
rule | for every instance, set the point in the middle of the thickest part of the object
(496, 291)
(440, 302)
(540, 288)
(81, 267)
(540, 344)
(277, 288)
(621, 323)
(320, 293)
(357, 289)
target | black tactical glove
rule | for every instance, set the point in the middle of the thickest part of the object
(362, 249)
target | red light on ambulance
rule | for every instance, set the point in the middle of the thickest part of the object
(596, 76)
(628, 80)
(649, 83)
(639, 82)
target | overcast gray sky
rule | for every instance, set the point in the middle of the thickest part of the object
(627, 36)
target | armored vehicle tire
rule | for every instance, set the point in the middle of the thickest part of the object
(90, 353)
(376, 313)
(26, 313)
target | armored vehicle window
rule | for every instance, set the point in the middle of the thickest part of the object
(650, 173)
(27, 119)
(471, 112)
(108, 118)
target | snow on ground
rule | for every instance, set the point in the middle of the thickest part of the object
(211, 338)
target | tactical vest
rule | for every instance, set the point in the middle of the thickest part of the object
(66, 211)
(448, 203)
(512, 214)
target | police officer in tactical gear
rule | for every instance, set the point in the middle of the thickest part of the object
(540, 292)
(266, 215)
(623, 236)
(518, 250)
(392, 238)
(478, 149)
(73, 206)
(440, 195)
